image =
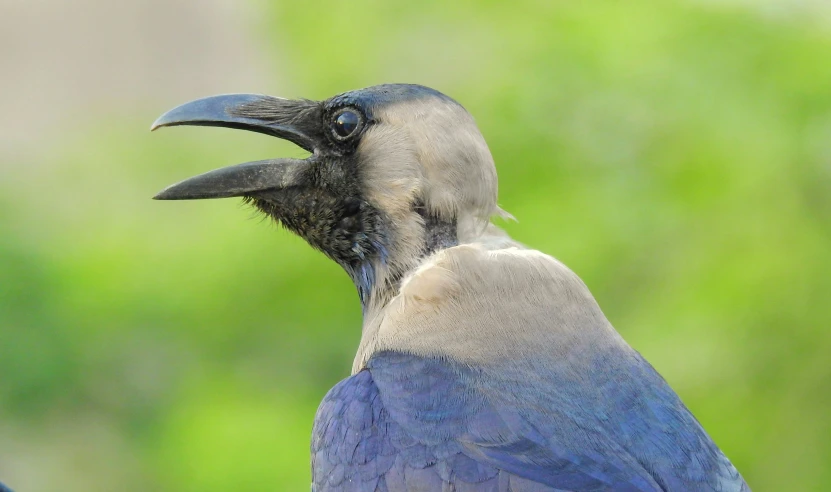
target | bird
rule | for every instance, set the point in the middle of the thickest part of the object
(483, 364)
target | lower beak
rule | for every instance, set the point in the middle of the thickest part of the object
(239, 180)
(288, 119)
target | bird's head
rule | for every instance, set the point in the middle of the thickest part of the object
(395, 172)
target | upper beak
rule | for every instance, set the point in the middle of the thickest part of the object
(291, 120)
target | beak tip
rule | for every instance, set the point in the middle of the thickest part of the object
(160, 122)
(163, 195)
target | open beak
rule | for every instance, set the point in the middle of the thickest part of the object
(293, 120)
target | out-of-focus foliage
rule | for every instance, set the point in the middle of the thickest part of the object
(677, 155)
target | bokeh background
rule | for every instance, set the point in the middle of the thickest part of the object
(676, 154)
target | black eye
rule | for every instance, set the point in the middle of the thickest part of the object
(346, 123)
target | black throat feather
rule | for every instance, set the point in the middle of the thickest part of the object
(350, 231)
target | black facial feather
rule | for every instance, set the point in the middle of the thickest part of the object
(303, 114)
(279, 111)
(343, 228)
(440, 234)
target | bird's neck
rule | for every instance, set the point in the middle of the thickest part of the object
(478, 269)
(378, 277)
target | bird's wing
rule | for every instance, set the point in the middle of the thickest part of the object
(443, 405)
(408, 421)
(640, 438)
(358, 446)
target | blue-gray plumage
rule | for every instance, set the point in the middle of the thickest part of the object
(483, 365)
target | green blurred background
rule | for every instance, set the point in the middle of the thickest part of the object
(675, 154)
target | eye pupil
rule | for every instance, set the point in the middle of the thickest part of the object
(346, 123)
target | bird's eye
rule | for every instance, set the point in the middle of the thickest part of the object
(346, 123)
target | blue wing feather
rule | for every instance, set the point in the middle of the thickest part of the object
(449, 402)
(357, 446)
(408, 422)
